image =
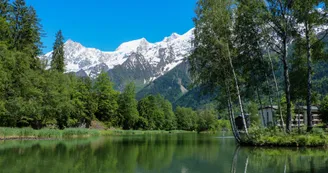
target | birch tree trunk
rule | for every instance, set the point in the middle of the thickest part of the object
(277, 92)
(309, 81)
(231, 115)
(246, 165)
(238, 92)
(232, 123)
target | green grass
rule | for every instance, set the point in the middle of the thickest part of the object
(139, 132)
(18, 133)
(29, 133)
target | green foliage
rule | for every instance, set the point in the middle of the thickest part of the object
(155, 113)
(284, 108)
(206, 120)
(209, 60)
(222, 125)
(298, 73)
(324, 110)
(170, 121)
(107, 100)
(254, 114)
(25, 31)
(127, 110)
(186, 118)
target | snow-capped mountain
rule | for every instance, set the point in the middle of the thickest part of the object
(138, 59)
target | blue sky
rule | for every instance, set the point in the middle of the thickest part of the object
(104, 24)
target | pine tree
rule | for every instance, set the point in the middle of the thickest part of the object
(4, 30)
(25, 32)
(18, 18)
(4, 6)
(58, 60)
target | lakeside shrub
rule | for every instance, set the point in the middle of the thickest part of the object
(275, 137)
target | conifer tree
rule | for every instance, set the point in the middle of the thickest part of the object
(57, 62)
(4, 6)
(25, 32)
(18, 18)
(4, 30)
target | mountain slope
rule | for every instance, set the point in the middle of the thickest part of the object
(175, 87)
(136, 60)
(172, 85)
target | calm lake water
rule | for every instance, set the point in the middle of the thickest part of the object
(182, 153)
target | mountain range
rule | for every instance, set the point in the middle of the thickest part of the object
(138, 60)
(155, 68)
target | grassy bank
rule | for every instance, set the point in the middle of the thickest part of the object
(29, 133)
(309, 140)
(276, 138)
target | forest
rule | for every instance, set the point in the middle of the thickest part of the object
(247, 53)
(33, 95)
(242, 46)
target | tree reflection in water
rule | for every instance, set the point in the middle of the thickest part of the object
(189, 153)
(279, 160)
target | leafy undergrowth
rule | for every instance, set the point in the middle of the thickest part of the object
(276, 138)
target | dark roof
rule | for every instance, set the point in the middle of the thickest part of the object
(313, 108)
(269, 107)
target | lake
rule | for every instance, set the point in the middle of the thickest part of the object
(181, 153)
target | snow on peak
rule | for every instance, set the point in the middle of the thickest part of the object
(70, 44)
(133, 45)
(69, 41)
(167, 53)
(171, 38)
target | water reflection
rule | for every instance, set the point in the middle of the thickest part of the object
(189, 153)
(280, 160)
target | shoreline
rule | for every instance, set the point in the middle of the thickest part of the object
(287, 141)
(71, 133)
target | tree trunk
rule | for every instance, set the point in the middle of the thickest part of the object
(299, 119)
(232, 123)
(260, 101)
(309, 81)
(287, 86)
(234, 160)
(238, 92)
(232, 117)
(277, 92)
(246, 165)
(270, 99)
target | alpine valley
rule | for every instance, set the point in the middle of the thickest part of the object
(154, 67)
